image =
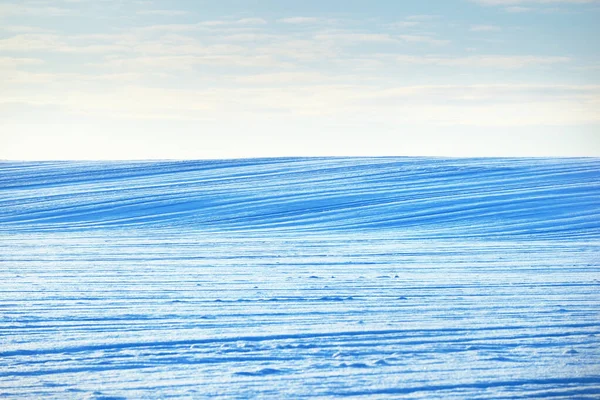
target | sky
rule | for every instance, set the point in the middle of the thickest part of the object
(194, 79)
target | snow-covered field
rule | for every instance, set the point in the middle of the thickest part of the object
(297, 278)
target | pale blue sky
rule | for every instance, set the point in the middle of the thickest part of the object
(111, 79)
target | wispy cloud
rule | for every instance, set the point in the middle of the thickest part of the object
(34, 42)
(404, 24)
(251, 21)
(244, 23)
(474, 105)
(30, 9)
(484, 28)
(483, 61)
(166, 13)
(14, 62)
(172, 63)
(300, 20)
(518, 9)
(423, 39)
(544, 6)
(423, 17)
(350, 37)
(24, 29)
(353, 37)
(515, 2)
(54, 43)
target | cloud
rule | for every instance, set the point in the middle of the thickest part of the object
(277, 79)
(523, 6)
(493, 93)
(25, 79)
(494, 105)
(24, 29)
(299, 20)
(352, 37)
(204, 26)
(489, 105)
(349, 37)
(484, 28)
(251, 21)
(174, 27)
(248, 37)
(33, 42)
(517, 9)
(423, 39)
(45, 43)
(423, 17)
(173, 63)
(517, 2)
(404, 24)
(482, 61)
(14, 62)
(166, 13)
(13, 9)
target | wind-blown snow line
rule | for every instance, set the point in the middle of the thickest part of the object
(420, 197)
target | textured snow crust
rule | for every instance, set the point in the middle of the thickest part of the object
(300, 278)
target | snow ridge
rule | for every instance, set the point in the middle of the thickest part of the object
(417, 196)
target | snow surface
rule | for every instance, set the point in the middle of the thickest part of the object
(298, 278)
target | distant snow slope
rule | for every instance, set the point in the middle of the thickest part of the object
(298, 278)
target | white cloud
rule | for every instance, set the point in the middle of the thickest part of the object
(423, 39)
(248, 37)
(205, 26)
(482, 61)
(517, 9)
(405, 24)
(43, 43)
(350, 37)
(166, 13)
(14, 62)
(173, 63)
(277, 79)
(423, 17)
(303, 50)
(476, 105)
(24, 29)
(299, 20)
(516, 2)
(522, 6)
(496, 92)
(172, 27)
(33, 42)
(25, 79)
(15, 9)
(484, 28)
(251, 21)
